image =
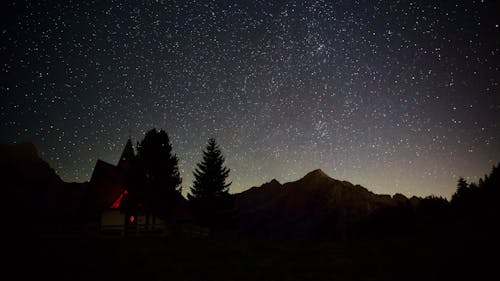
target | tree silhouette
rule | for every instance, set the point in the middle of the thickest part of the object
(155, 182)
(462, 194)
(209, 195)
(462, 185)
(478, 200)
(491, 181)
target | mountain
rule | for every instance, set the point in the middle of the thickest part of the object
(318, 205)
(31, 188)
(32, 191)
(313, 206)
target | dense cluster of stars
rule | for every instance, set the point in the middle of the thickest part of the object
(399, 96)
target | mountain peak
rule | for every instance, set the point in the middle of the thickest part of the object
(316, 176)
(318, 173)
(274, 182)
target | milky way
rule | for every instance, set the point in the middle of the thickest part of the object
(398, 96)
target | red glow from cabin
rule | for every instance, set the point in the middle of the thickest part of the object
(118, 201)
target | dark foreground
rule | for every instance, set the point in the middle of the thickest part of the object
(445, 255)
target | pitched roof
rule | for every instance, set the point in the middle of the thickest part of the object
(127, 156)
(106, 184)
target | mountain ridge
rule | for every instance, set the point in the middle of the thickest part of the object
(314, 205)
(33, 187)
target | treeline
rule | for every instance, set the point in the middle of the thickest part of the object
(479, 200)
(473, 208)
(154, 189)
(154, 184)
(35, 196)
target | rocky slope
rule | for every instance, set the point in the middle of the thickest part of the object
(315, 205)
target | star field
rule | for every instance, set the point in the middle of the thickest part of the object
(398, 96)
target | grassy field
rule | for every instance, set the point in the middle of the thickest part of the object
(426, 257)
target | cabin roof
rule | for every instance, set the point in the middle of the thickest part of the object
(106, 184)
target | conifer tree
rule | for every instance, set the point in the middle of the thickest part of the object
(157, 181)
(209, 194)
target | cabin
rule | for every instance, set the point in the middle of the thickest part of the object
(107, 190)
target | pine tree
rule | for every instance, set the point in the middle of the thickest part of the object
(158, 168)
(462, 185)
(209, 195)
(462, 190)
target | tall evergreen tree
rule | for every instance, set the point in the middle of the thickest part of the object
(462, 185)
(209, 195)
(156, 178)
(461, 195)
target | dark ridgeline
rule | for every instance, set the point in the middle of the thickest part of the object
(315, 206)
(32, 193)
(318, 224)
(209, 196)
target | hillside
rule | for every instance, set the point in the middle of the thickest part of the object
(315, 205)
(33, 188)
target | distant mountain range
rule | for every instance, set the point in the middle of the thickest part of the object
(318, 205)
(315, 205)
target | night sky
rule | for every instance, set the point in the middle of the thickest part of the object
(398, 96)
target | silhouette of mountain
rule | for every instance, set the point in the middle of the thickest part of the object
(315, 205)
(32, 191)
